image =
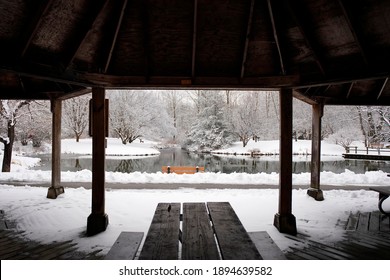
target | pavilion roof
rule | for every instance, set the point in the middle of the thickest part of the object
(329, 51)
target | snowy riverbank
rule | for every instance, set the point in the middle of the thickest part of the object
(65, 218)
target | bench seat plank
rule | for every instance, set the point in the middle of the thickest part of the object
(235, 243)
(125, 246)
(266, 246)
(198, 237)
(162, 240)
(381, 190)
(384, 193)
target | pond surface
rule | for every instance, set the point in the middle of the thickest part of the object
(212, 163)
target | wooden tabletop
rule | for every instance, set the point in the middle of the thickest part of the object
(209, 231)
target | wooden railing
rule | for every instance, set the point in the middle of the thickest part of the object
(367, 151)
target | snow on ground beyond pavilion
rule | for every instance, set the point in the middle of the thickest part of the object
(132, 210)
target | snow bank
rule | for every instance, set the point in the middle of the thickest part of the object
(271, 147)
(114, 147)
(349, 178)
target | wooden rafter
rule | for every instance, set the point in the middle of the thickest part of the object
(248, 31)
(74, 93)
(72, 53)
(356, 35)
(344, 79)
(33, 26)
(114, 39)
(276, 37)
(82, 31)
(382, 88)
(350, 90)
(194, 38)
(303, 26)
(146, 42)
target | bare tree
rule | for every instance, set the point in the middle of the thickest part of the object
(10, 112)
(76, 115)
(136, 114)
(374, 123)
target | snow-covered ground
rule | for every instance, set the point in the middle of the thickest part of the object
(65, 218)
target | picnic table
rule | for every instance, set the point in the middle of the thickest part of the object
(384, 193)
(208, 231)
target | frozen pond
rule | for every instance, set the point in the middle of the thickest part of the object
(212, 163)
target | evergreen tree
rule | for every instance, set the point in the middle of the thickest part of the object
(209, 130)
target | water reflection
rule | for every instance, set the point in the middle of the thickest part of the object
(212, 163)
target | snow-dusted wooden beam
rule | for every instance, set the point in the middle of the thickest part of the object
(284, 220)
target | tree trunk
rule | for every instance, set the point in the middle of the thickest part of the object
(362, 125)
(8, 148)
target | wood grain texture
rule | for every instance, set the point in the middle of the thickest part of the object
(162, 240)
(198, 237)
(266, 246)
(125, 246)
(234, 241)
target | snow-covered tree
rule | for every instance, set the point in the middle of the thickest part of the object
(136, 114)
(34, 127)
(76, 114)
(10, 111)
(245, 121)
(209, 130)
(374, 123)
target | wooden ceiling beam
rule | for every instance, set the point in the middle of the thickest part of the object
(382, 88)
(356, 34)
(75, 93)
(146, 42)
(81, 32)
(350, 90)
(355, 101)
(348, 78)
(247, 34)
(301, 96)
(32, 28)
(276, 37)
(194, 38)
(304, 26)
(72, 53)
(115, 37)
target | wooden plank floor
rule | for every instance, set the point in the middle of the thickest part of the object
(14, 246)
(366, 237)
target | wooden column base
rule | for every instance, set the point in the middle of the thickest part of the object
(317, 194)
(53, 192)
(285, 223)
(96, 223)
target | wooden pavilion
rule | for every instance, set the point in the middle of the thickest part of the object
(324, 52)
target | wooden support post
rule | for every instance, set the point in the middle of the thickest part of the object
(314, 190)
(98, 219)
(284, 220)
(55, 189)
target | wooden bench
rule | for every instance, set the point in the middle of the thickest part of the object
(182, 169)
(384, 193)
(126, 246)
(209, 231)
